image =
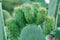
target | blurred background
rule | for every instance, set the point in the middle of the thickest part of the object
(10, 4)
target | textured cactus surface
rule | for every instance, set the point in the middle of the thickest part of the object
(49, 25)
(13, 29)
(34, 13)
(28, 13)
(19, 17)
(32, 32)
(36, 6)
(41, 15)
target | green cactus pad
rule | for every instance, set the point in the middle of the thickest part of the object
(32, 32)
(49, 25)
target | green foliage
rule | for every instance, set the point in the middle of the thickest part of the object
(41, 15)
(12, 28)
(19, 17)
(36, 6)
(49, 25)
(34, 13)
(32, 32)
(28, 13)
(40, 12)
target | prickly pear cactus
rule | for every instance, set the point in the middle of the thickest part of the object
(19, 16)
(49, 25)
(13, 29)
(36, 6)
(41, 15)
(40, 12)
(2, 34)
(6, 15)
(28, 13)
(32, 32)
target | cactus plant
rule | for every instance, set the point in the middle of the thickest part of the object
(2, 34)
(40, 12)
(12, 27)
(36, 6)
(41, 15)
(28, 13)
(6, 15)
(32, 32)
(19, 16)
(49, 25)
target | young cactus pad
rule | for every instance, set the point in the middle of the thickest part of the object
(28, 13)
(41, 15)
(12, 27)
(6, 15)
(32, 32)
(36, 6)
(49, 25)
(19, 16)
